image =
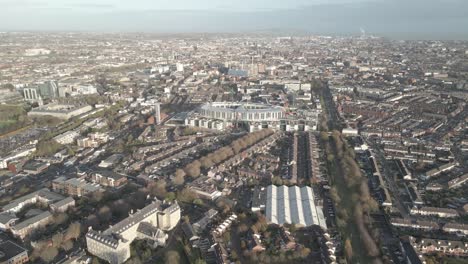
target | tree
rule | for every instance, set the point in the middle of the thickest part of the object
(73, 231)
(57, 240)
(277, 180)
(135, 260)
(105, 214)
(49, 254)
(348, 249)
(130, 139)
(305, 252)
(97, 196)
(193, 169)
(60, 218)
(324, 136)
(186, 196)
(334, 195)
(158, 189)
(179, 177)
(92, 220)
(172, 257)
(170, 196)
(67, 245)
(120, 208)
(47, 147)
(198, 201)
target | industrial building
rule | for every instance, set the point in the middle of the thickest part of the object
(292, 205)
(60, 111)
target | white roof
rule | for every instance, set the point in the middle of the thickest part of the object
(293, 205)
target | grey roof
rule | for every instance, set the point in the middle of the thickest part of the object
(63, 202)
(149, 230)
(90, 187)
(110, 236)
(7, 217)
(10, 250)
(110, 174)
(293, 205)
(32, 220)
(134, 218)
(43, 193)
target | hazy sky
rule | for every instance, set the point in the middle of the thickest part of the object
(398, 18)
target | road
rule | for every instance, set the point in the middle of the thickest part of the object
(333, 117)
(390, 181)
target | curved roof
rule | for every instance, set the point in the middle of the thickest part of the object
(239, 107)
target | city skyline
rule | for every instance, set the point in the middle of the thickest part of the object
(399, 19)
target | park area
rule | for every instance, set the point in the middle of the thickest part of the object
(12, 118)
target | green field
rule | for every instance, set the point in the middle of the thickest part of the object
(12, 118)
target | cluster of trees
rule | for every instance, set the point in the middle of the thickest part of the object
(48, 249)
(194, 168)
(359, 203)
(12, 118)
(115, 206)
(140, 251)
(298, 255)
(172, 257)
(258, 224)
(47, 147)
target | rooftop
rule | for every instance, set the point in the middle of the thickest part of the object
(8, 250)
(293, 205)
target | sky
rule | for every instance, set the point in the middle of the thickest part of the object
(417, 19)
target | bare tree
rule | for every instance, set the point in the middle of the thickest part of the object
(57, 240)
(67, 245)
(49, 254)
(349, 250)
(105, 214)
(73, 231)
(172, 257)
(179, 177)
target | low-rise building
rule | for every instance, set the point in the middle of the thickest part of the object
(416, 224)
(62, 205)
(458, 182)
(205, 189)
(201, 224)
(108, 179)
(111, 161)
(75, 186)
(16, 154)
(113, 244)
(60, 111)
(67, 138)
(431, 246)
(439, 170)
(21, 229)
(26, 227)
(43, 195)
(7, 220)
(35, 167)
(456, 228)
(435, 211)
(12, 253)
